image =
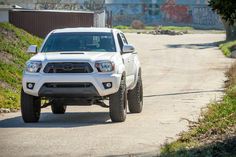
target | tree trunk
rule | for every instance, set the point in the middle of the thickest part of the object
(233, 30)
(230, 30)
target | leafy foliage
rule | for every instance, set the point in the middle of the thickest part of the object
(225, 8)
(226, 47)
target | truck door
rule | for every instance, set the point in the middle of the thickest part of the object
(127, 59)
(131, 57)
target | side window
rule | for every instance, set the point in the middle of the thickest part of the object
(123, 38)
(120, 41)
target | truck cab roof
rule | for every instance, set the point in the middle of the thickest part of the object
(84, 29)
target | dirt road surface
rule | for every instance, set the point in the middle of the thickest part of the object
(181, 74)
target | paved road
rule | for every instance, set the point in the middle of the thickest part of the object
(181, 75)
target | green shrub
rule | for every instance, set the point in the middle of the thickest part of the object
(121, 27)
(226, 47)
(13, 44)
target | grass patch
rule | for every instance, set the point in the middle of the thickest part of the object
(147, 28)
(176, 28)
(121, 27)
(13, 44)
(9, 99)
(190, 30)
(226, 47)
(215, 133)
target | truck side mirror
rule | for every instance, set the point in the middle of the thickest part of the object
(32, 49)
(128, 49)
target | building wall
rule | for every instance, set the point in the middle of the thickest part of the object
(100, 19)
(152, 12)
(4, 16)
(75, 5)
(58, 4)
(164, 12)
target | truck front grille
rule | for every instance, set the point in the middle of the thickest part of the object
(68, 67)
(68, 85)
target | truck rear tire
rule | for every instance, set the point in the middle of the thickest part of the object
(118, 104)
(30, 107)
(135, 97)
(58, 108)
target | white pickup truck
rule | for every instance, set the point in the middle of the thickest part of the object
(82, 66)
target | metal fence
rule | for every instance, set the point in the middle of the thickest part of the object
(40, 23)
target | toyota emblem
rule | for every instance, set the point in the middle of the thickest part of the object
(68, 67)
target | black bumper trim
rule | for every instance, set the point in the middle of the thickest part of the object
(68, 90)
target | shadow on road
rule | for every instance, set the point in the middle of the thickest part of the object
(184, 93)
(144, 154)
(195, 46)
(67, 120)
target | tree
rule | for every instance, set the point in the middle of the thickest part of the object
(227, 10)
(94, 5)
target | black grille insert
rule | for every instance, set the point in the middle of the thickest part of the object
(68, 85)
(68, 67)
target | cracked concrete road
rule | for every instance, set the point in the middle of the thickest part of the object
(181, 74)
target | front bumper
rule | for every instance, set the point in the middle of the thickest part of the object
(97, 80)
(71, 90)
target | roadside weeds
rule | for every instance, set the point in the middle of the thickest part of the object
(13, 44)
(229, 48)
(214, 134)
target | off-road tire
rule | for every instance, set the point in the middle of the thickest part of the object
(135, 97)
(58, 108)
(118, 104)
(30, 107)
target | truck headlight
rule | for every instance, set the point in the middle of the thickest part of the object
(33, 66)
(104, 66)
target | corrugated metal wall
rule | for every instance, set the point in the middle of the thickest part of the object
(40, 23)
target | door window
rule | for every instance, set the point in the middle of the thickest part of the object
(120, 42)
(123, 38)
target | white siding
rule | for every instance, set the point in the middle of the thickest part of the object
(99, 19)
(4, 16)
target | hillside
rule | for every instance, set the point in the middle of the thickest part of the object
(13, 44)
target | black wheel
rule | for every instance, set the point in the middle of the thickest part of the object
(58, 108)
(135, 97)
(118, 104)
(30, 107)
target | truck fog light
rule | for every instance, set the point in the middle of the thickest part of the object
(30, 85)
(107, 85)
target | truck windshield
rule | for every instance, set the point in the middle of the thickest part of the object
(82, 41)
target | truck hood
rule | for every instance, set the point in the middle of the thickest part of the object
(73, 56)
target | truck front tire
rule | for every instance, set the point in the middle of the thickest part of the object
(118, 104)
(30, 107)
(135, 97)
